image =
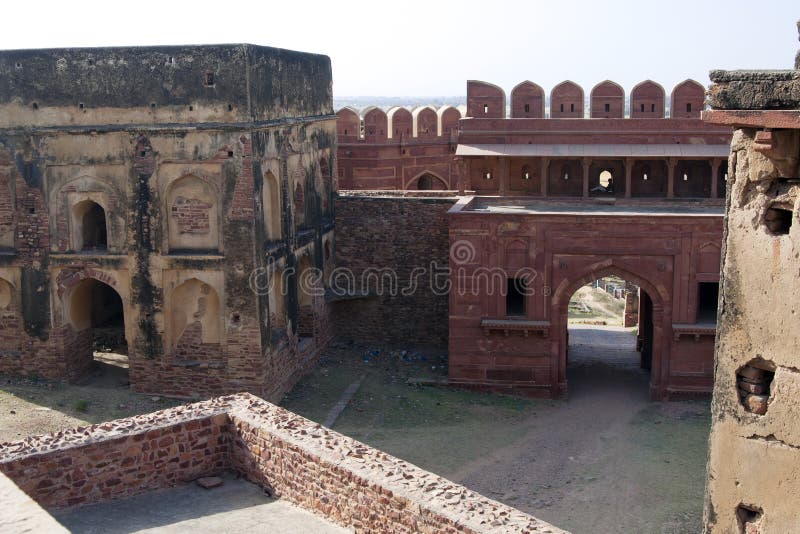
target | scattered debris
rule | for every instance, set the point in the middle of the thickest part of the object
(210, 482)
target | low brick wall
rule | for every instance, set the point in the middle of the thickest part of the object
(323, 471)
(401, 233)
(120, 458)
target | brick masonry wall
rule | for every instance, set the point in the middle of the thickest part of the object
(120, 458)
(401, 233)
(323, 471)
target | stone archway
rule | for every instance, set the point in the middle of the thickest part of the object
(559, 312)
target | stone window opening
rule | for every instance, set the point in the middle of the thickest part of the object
(748, 518)
(572, 107)
(753, 383)
(91, 230)
(778, 220)
(515, 297)
(209, 79)
(562, 108)
(707, 297)
(642, 108)
(652, 108)
(527, 109)
(485, 109)
(607, 108)
(688, 107)
(305, 284)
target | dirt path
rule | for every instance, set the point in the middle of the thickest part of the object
(606, 460)
(30, 406)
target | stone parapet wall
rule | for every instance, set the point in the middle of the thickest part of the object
(323, 471)
(120, 458)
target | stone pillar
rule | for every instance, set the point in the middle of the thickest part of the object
(714, 170)
(503, 171)
(461, 176)
(628, 174)
(630, 316)
(671, 163)
(545, 173)
(586, 163)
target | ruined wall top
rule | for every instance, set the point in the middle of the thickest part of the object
(226, 83)
(756, 89)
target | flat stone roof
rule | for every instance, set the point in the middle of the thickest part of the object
(667, 208)
(236, 506)
(574, 150)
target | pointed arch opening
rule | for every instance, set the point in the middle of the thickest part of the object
(272, 207)
(91, 229)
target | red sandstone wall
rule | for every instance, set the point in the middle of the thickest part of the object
(668, 255)
(401, 234)
(120, 458)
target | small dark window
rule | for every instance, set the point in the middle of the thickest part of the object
(652, 108)
(91, 62)
(18, 65)
(191, 108)
(209, 79)
(230, 107)
(35, 105)
(562, 108)
(642, 108)
(688, 107)
(143, 153)
(527, 108)
(95, 235)
(707, 295)
(778, 221)
(152, 105)
(572, 107)
(31, 210)
(515, 296)
(608, 108)
(80, 105)
(230, 153)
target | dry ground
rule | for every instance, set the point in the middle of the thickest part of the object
(605, 460)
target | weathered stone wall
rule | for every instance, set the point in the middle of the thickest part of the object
(184, 209)
(383, 239)
(753, 480)
(293, 458)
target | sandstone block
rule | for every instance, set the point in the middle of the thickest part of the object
(210, 482)
(757, 404)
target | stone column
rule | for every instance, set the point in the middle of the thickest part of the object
(628, 174)
(503, 175)
(586, 163)
(460, 168)
(545, 175)
(714, 170)
(671, 163)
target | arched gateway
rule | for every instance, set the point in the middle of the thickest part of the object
(516, 341)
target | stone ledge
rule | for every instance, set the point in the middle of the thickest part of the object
(754, 118)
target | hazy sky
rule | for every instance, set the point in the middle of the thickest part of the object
(427, 48)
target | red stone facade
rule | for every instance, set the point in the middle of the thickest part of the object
(558, 247)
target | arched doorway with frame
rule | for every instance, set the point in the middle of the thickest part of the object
(590, 344)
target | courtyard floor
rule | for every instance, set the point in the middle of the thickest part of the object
(605, 460)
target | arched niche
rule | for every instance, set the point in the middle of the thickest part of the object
(485, 100)
(448, 121)
(425, 123)
(89, 226)
(400, 123)
(193, 215)
(687, 100)
(194, 315)
(348, 125)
